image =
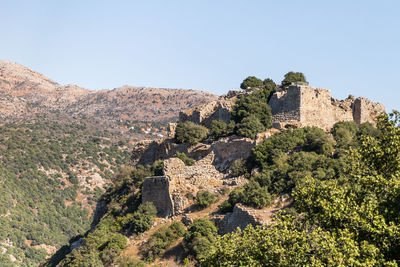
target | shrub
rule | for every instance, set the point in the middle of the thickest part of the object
(238, 167)
(204, 199)
(141, 220)
(225, 207)
(189, 132)
(162, 239)
(235, 196)
(182, 156)
(255, 195)
(221, 129)
(218, 128)
(200, 237)
(250, 127)
(252, 194)
(113, 248)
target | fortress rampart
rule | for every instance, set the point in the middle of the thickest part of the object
(309, 106)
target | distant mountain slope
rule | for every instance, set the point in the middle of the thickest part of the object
(138, 103)
(24, 93)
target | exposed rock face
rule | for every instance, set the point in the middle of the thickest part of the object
(225, 151)
(174, 192)
(309, 106)
(229, 149)
(216, 110)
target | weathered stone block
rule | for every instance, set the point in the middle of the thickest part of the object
(156, 190)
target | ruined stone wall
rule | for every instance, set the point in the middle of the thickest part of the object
(214, 110)
(365, 110)
(156, 190)
(309, 106)
(285, 105)
(226, 151)
(241, 216)
(174, 192)
(229, 149)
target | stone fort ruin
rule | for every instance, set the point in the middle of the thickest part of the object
(299, 105)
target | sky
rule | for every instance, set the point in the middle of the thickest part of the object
(349, 47)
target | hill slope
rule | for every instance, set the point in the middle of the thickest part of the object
(25, 93)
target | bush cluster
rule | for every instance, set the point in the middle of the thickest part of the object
(141, 220)
(204, 199)
(252, 194)
(162, 239)
(189, 132)
(222, 129)
(238, 168)
(200, 237)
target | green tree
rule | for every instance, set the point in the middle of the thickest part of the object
(293, 77)
(238, 168)
(189, 132)
(292, 243)
(365, 199)
(250, 127)
(221, 129)
(251, 82)
(200, 237)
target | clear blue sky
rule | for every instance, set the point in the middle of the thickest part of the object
(349, 46)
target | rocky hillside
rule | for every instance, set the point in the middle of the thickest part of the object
(228, 168)
(25, 93)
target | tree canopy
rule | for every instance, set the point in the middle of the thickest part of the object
(251, 82)
(293, 77)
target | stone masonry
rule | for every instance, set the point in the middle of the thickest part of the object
(309, 106)
(299, 105)
(175, 191)
(215, 110)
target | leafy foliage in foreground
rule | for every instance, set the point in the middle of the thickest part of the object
(347, 219)
(291, 243)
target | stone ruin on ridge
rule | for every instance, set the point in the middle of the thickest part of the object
(299, 105)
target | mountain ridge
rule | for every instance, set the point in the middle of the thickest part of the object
(24, 93)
